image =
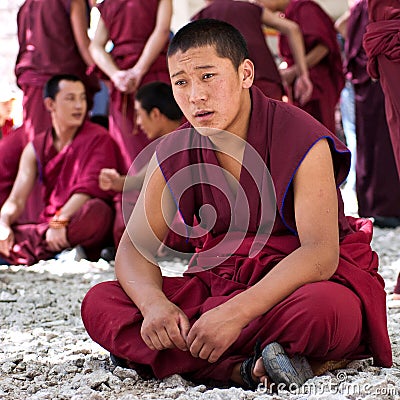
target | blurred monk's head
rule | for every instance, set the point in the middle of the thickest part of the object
(211, 74)
(65, 98)
(156, 110)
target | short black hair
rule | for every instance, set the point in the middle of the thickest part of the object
(159, 95)
(226, 39)
(52, 86)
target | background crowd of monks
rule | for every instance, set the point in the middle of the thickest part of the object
(328, 67)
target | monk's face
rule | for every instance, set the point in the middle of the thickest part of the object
(147, 121)
(210, 91)
(69, 106)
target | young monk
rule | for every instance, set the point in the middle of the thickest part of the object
(316, 273)
(249, 19)
(66, 159)
(157, 114)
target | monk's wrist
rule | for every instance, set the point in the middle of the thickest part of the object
(59, 221)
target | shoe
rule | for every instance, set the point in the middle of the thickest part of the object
(117, 361)
(247, 367)
(77, 253)
(283, 369)
(386, 222)
(108, 254)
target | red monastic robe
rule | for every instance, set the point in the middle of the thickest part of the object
(377, 184)
(11, 148)
(327, 76)
(46, 48)
(382, 44)
(129, 39)
(7, 127)
(344, 317)
(75, 169)
(246, 18)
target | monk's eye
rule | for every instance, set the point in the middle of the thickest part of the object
(180, 82)
(208, 76)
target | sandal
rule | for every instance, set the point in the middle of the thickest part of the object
(247, 368)
(283, 369)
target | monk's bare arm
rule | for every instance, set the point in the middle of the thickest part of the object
(295, 37)
(315, 260)
(79, 18)
(97, 50)
(73, 204)
(316, 54)
(27, 172)
(164, 325)
(156, 42)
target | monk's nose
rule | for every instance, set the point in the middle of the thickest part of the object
(197, 93)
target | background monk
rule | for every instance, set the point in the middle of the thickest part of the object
(377, 183)
(315, 274)
(382, 44)
(139, 31)
(157, 114)
(66, 159)
(248, 19)
(53, 39)
(322, 56)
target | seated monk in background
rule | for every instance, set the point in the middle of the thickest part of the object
(275, 289)
(67, 160)
(157, 114)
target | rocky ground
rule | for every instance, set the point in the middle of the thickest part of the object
(45, 352)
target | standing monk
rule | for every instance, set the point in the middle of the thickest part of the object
(248, 19)
(377, 183)
(382, 44)
(53, 39)
(139, 31)
(322, 56)
(66, 159)
(242, 286)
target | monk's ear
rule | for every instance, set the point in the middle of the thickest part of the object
(155, 113)
(247, 72)
(48, 103)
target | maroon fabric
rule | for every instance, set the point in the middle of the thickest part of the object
(73, 170)
(112, 320)
(382, 44)
(129, 38)
(246, 17)
(397, 287)
(7, 127)
(318, 310)
(11, 148)
(327, 76)
(89, 227)
(46, 48)
(377, 184)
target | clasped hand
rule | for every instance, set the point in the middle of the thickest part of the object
(166, 326)
(6, 239)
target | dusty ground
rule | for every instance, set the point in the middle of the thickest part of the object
(45, 352)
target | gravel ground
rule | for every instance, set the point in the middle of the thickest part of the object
(45, 352)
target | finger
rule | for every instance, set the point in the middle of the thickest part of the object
(176, 338)
(196, 347)
(184, 326)
(147, 340)
(214, 356)
(205, 352)
(164, 340)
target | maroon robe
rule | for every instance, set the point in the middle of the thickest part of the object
(344, 317)
(46, 47)
(382, 44)
(327, 76)
(75, 169)
(246, 18)
(129, 39)
(377, 184)
(11, 148)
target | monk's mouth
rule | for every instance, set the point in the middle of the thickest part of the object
(203, 114)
